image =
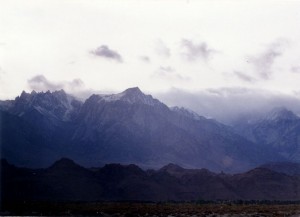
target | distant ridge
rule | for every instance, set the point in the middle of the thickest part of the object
(289, 168)
(67, 181)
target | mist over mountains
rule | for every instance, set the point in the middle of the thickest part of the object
(227, 105)
(132, 127)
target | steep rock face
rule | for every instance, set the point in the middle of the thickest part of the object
(129, 127)
(35, 127)
(57, 105)
(278, 130)
(48, 112)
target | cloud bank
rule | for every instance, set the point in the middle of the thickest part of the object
(228, 104)
(41, 83)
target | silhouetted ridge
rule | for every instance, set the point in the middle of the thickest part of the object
(67, 181)
(65, 163)
(4, 163)
(288, 168)
(121, 170)
(264, 174)
(172, 168)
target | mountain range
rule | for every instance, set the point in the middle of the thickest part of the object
(278, 129)
(67, 181)
(131, 127)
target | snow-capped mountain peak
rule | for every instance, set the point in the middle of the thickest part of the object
(132, 96)
(57, 103)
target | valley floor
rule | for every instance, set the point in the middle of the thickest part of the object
(115, 209)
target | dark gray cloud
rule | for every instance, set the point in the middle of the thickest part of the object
(244, 77)
(105, 52)
(228, 104)
(193, 51)
(41, 83)
(263, 62)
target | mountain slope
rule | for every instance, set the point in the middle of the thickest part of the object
(147, 132)
(129, 127)
(289, 168)
(35, 127)
(279, 130)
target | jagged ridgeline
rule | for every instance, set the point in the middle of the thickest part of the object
(128, 127)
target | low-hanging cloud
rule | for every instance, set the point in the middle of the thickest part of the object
(41, 83)
(193, 51)
(229, 104)
(105, 52)
(76, 87)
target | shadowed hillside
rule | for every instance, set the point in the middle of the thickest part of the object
(67, 181)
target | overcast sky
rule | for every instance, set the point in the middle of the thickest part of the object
(160, 46)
